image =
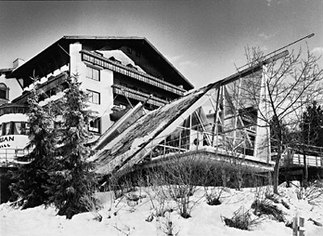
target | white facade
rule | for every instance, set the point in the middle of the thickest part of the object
(101, 87)
(14, 89)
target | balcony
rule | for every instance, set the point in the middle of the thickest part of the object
(10, 108)
(131, 72)
(53, 83)
(137, 95)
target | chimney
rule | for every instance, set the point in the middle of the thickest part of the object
(18, 62)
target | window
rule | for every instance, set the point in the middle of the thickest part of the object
(93, 73)
(95, 125)
(14, 128)
(4, 91)
(25, 128)
(94, 97)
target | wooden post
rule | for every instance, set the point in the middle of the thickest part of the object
(224, 178)
(295, 226)
(270, 179)
(301, 228)
(298, 226)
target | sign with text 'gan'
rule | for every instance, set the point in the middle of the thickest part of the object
(13, 141)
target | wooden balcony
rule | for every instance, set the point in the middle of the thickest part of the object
(137, 95)
(101, 61)
(53, 82)
(11, 108)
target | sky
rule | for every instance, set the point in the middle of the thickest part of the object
(204, 40)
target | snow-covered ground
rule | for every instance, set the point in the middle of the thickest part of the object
(126, 217)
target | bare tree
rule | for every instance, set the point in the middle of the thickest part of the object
(289, 82)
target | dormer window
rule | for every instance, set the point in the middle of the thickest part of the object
(132, 66)
(93, 73)
(4, 91)
(115, 60)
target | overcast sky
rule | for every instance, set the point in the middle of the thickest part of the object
(203, 39)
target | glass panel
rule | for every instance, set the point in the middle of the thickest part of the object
(93, 73)
(89, 72)
(23, 128)
(6, 129)
(96, 74)
(12, 126)
(3, 93)
(95, 125)
(3, 130)
(17, 128)
(94, 97)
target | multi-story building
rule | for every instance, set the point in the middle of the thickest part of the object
(117, 73)
(13, 121)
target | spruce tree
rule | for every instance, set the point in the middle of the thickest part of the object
(311, 125)
(71, 177)
(30, 181)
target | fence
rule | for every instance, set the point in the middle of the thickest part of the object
(10, 156)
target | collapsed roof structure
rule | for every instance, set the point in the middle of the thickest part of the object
(221, 120)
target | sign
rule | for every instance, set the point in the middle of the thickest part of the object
(13, 141)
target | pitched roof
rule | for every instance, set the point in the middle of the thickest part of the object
(57, 55)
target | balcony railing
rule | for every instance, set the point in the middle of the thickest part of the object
(313, 155)
(12, 109)
(53, 82)
(137, 95)
(125, 70)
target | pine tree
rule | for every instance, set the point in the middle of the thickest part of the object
(71, 177)
(311, 125)
(30, 181)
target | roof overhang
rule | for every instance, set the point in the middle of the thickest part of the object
(57, 55)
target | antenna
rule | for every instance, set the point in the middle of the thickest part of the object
(279, 49)
(307, 36)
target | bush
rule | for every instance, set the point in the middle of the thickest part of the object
(241, 220)
(213, 196)
(313, 193)
(265, 207)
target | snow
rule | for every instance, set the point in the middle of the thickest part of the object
(122, 57)
(130, 217)
(15, 117)
(55, 97)
(44, 79)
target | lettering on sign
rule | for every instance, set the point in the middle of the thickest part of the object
(7, 139)
(5, 146)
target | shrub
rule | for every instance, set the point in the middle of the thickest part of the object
(241, 220)
(213, 196)
(265, 207)
(313, 193)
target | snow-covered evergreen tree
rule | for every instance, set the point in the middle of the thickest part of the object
(30, 181)
(71, 177)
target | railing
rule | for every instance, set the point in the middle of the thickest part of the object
(188, 140)
(53, 82)
(9, 157)
(122, 69)
(313, 155)
(12, 108)
(131, 93)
